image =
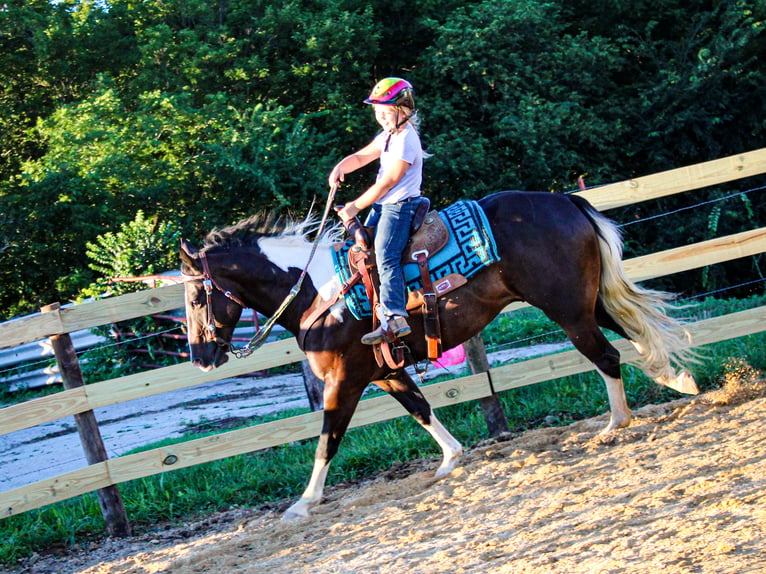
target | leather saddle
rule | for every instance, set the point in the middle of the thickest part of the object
(429, 235)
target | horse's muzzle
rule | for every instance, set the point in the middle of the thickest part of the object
(209, 356)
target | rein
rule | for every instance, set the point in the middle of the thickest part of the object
(261, 333)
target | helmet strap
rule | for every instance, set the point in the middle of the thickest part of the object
(399, 123)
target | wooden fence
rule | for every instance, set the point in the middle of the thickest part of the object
(114, 471)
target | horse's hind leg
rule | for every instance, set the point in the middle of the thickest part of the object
(404, 390)
(591, 342)
(620, 415)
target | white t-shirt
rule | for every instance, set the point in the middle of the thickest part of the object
(404, 145)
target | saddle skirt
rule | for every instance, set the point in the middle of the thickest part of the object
(458, 241)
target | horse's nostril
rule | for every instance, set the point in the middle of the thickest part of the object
(221, 359)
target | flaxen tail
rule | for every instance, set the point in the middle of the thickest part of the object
(662, 342)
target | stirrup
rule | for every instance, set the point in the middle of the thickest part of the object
(397, 328)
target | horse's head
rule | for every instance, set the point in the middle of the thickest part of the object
(211, 316)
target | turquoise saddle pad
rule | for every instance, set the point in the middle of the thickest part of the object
(470, 248)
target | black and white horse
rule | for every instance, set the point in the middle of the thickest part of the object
(555, 251)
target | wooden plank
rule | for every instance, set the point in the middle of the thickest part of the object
(44, 409)
(157, 461)
(540, 369)
(688, 257)
(697, 255)
(731, 326)
(439, 395)
(92, 314)
(184, 375)
(677, 180)
(54, 489)
(215, 447)
(122, 308)
(29, 328)
(569, 363)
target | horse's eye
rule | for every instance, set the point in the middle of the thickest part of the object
(196, 304)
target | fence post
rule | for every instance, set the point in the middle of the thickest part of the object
(476, 355)
(109, 498)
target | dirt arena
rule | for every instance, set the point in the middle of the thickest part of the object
(682, 490)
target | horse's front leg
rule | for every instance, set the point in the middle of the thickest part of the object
(337, 416)
(404, 390)
(315, 489)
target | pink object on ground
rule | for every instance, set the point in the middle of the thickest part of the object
(451, 357)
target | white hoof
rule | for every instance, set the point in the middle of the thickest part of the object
(615, 423)
(448, 465)
(683, 383)
(297, 511)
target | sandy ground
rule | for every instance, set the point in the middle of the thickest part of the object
(682, 490)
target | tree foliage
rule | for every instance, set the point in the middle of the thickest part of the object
(529, 102)
(141, 247)
(198, 113)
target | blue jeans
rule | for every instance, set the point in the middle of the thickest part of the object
(393, 221)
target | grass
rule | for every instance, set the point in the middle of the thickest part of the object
(275, 475)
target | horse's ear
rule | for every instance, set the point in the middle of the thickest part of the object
(189, 256)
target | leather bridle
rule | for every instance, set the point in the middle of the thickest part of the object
(208, 284)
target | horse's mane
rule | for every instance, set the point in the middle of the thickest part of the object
(248, 231)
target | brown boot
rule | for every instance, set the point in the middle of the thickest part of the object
(397, 326)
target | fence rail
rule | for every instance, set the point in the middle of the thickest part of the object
(373, 410)
(121, 469)
(27, 355)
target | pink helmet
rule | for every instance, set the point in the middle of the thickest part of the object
(392, 92)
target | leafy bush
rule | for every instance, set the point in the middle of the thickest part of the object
(142, 247)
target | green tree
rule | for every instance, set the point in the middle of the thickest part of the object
(525, 99)
(691, 71)
(202, 112)
(49, 53)
(141, 247)
(692, 74)
(203, 167)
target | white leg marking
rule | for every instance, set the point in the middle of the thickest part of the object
(618, 404)
(451, 448)
(313, 493)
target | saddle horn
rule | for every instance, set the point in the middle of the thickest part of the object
(355, 229)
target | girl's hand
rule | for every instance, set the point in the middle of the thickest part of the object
(349, 211)
(336, 176)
